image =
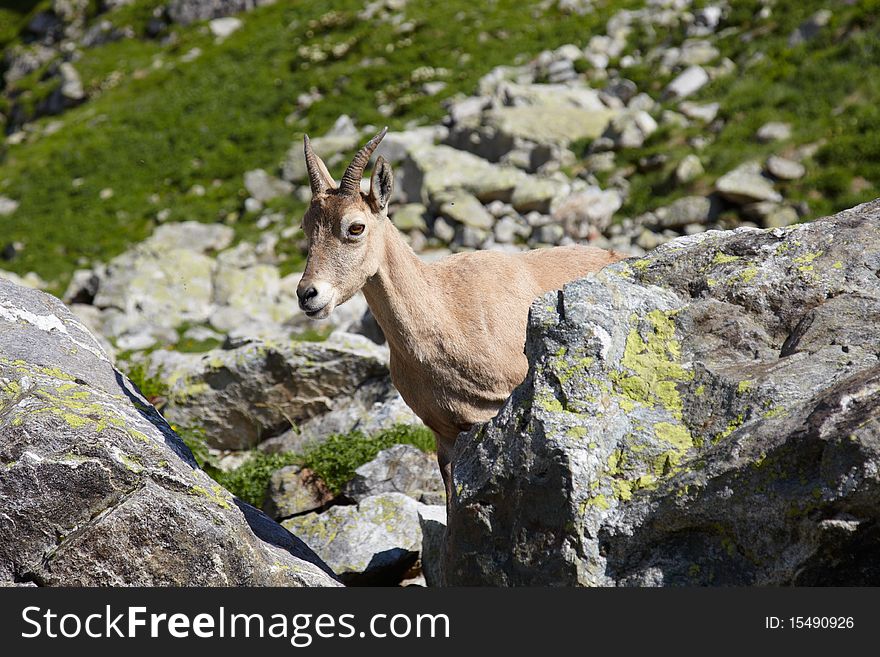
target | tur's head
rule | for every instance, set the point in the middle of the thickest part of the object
(344, 228)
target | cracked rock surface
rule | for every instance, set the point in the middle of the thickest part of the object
(96, 487)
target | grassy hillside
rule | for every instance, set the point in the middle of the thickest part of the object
(156, 124)
(159, 125)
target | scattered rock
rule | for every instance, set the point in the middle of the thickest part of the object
(398, 469)
(785, 169)
(586, 212)
(746, 184)
(630, 129)
(190, 11)
(689, 169)
(688, 82)
(705, 113)
(224, 27)
(7, 206)
(810, 28)
(294, 490)
(773, 131)
(375, 542)
(462, 208)
(263, 187)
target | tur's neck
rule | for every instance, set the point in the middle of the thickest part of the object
(402, 297)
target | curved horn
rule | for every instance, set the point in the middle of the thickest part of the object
(351, 179)
(319, 177)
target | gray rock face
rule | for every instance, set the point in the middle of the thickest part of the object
(432, 519)
(244, 395)
(398, 469)
(97, 488)
(707, 415)
(375, 542)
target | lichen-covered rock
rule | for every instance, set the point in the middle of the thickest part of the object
(398, 469)
(374, 542)
(294, 490)
(705, 415)
(96, 487)
(255, 391)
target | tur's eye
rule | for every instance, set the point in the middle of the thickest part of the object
(355, 229)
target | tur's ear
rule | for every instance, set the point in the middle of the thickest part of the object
(381, 184)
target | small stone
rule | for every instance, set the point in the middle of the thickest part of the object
(442, 230)
(706, 112)
(782, 216)
(785, 169)
(689, 169)
(294, 490)
(223, 27)
(745, 184)
(463, 208)
(549, 234)
(409, 217)
(688, 82)
(264, 187)
(773, 131)
(7, 206)
(507, 229)
(398, 469)
(375, 542)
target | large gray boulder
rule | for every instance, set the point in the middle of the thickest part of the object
(244, 395)
(96, 487)
(707, 415)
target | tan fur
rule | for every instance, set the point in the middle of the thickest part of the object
(455, 328)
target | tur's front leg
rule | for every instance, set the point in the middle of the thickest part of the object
(444, 460)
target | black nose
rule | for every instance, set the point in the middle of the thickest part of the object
(308, 293)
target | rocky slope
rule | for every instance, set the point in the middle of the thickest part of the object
(623, 125)
(96, 487)
(706, 415)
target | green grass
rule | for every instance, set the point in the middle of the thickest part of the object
(150, 133)
(333, 461)
(151, 387)
(828, 89)
(336, 459)
(155, 125)
(250, 480)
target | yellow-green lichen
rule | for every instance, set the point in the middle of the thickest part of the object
(744, 387)
(722, 258)
(748, 274)
(651, 366)
(676, 435)
(215, 494)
